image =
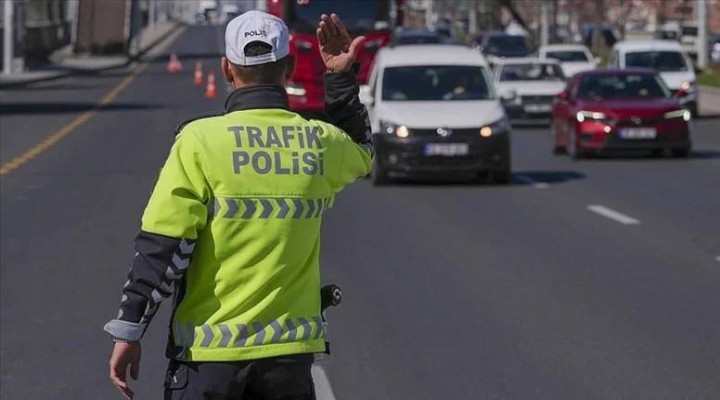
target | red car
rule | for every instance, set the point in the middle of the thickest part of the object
(611, 109)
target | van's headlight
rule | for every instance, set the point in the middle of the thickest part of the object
(496, 128)
(398, 130)
(689, 86)
(590, 115)
(684, 114)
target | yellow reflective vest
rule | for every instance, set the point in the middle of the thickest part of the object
(247, 192)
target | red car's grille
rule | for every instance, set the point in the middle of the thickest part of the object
(639, 122)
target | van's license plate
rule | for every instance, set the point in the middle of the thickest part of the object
(537, 108)
(446, 149)
(638, 133)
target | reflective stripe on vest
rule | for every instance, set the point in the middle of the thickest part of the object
(269, 208)
(245, 335)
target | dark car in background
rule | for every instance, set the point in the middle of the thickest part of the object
(614, 109)
(502, 45)
(419, 36)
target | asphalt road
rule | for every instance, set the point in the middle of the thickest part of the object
(535, 290)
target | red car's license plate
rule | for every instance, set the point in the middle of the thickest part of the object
(638, 133)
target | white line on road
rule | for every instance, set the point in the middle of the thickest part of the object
(323, 390)
(613, 215)
(533, 182)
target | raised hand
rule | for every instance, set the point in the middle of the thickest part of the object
(337, 49)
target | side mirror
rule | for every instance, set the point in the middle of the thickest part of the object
(509, 95)
(366, 96)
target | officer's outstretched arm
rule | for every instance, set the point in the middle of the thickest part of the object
(343, 106)
(175, 215)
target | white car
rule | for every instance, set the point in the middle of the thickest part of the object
(573, 58)
(434, 110)
(527, 86)
(668, 58)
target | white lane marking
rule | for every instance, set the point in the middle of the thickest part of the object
(613, 215)
(533, 182)
(323, 390)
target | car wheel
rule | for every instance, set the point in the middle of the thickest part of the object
(680, 153)
(379, 175)
(572, 149)
(556, 148)
(502, 177)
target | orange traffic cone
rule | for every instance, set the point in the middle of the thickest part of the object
(211, 91)
(174, 65)
(198, 77)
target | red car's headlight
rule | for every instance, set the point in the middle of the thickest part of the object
(684, 114)
(590, 116)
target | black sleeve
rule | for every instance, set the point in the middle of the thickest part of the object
(343, 106)
(159, 264)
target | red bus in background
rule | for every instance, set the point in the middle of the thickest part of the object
(371, 18)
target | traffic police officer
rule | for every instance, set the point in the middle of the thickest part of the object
(232, 230)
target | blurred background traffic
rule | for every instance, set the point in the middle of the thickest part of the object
(42, 27)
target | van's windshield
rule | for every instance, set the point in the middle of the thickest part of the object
(435, 83)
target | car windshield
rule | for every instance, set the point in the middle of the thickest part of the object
(357, 15)
(435, 82)
(509, 41)
(665, 61)
(418, 39)
(625, 86)
(568, 56)
(531, 72)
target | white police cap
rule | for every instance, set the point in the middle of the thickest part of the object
(256, 26)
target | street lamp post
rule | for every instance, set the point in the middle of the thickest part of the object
(152, 9)
(702, 40)
(8, 41)
(544, 22)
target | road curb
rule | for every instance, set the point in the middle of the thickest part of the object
(53, 75)
(709, 89)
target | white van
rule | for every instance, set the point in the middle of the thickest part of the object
(434, 110)
(668, 58)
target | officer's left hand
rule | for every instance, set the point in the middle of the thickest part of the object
(124, 355)
(337, 49)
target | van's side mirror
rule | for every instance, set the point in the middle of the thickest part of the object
(366, 96)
